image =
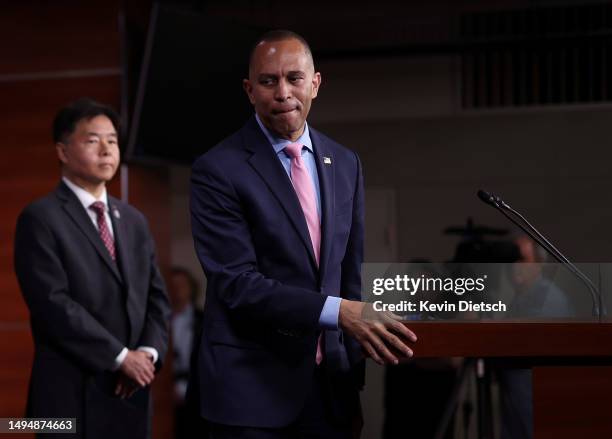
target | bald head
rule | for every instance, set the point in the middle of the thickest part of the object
(277, 36)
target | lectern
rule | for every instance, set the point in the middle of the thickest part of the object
(572, 367)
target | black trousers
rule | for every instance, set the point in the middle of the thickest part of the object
(315, 421)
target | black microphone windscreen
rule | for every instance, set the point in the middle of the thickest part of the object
(486, 197)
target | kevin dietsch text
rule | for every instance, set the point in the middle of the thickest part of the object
(427, 306)
(427, 286)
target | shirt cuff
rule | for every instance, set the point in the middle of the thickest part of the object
(119, 358)
(329, 314)
(151, 351)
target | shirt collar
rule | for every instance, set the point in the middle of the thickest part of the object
(85, 197)
(279, 143)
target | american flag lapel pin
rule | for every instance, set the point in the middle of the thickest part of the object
(327, 160)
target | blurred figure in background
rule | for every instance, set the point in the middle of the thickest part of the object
(186, 327)
(536, 297)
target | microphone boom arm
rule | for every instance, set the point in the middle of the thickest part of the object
(528, 228)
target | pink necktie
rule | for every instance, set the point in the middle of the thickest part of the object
(304, 188)
(103, 229)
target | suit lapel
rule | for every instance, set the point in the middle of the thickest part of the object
(266, 164)
(122, 247)
(77, 213)
(121, 235)
(325, 170)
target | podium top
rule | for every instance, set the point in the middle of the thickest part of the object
(512, 339)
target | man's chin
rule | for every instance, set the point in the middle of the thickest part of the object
(105, 176)
(288, 131)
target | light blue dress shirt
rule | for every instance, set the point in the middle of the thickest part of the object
(329, 314)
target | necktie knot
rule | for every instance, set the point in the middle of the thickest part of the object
(294, 150)
(98, 207)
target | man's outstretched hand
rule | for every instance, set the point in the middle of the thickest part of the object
(376, 332)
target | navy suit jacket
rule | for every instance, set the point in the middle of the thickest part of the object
(265, 292)
(84, 308)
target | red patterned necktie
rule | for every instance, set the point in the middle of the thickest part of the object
(103, 229)
(304, 188)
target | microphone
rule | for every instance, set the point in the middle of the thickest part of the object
(528, 228)
(491, 199)
(486, 197)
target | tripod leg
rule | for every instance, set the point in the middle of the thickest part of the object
(453, 400)
(483, 383)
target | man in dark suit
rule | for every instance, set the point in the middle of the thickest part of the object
(86, 265)
(277, 219)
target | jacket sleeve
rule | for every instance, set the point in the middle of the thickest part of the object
(350, 282)
(55, 316)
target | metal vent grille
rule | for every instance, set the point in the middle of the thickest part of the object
(538, 56)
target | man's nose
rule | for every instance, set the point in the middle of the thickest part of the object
(104, 147)
(282, 92)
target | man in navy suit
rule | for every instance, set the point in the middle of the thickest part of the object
(86, 265)
(277, 219)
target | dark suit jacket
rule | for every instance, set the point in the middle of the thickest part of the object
(265, 292)
(85, 308)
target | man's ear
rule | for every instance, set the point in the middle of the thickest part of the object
(60, 148)
(248, 88)
(316, 83)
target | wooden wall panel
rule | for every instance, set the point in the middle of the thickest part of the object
(17, 352)
(13, 309)
(43, 36)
